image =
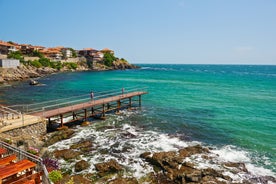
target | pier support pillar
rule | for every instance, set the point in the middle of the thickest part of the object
(61, 120)
(140, 101)
(74, 116)
(92, 111)
(118, 105)
(129, 104)
(85, 114)
(103, 112)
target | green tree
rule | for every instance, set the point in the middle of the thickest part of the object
(45, 62)
(36, 63)
(74, 53)
(56, 65)
(15, 55)
(10, 42)
(108, 59)
(36, 53)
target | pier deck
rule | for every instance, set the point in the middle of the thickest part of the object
(86, 105)
(73, 108)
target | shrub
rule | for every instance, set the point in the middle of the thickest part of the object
(45, 62)
(55, 176)
(71, 181)
(73, 66)
(56, 65)
(108, 59)
(50, 164)
(36, 63)
(37, 54)
(33, 150)
(16, 55)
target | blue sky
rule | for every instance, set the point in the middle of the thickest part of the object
(149, 31)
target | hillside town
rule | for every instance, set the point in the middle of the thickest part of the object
(23, 61)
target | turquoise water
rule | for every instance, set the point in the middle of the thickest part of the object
(217, 105)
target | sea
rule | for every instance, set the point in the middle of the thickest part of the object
(229, 108)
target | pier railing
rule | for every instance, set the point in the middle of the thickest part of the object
(24, 112)
(63, 102)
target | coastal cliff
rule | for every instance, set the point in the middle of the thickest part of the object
(37, 61)
(24, 72)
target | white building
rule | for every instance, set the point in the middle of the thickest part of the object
(9, 63)
(67, 53)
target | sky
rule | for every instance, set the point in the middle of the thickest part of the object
(149, 31)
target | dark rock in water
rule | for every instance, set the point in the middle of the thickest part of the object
(158, 158)
(111, 166)
(66, 154)
(123, 181)
(58, 136)
(128, 135)
(186, 152)
(237, 166)
(76, 179)
(33, 82)
(177, 171)
(81, 165)
(82, 144)
(145, 155)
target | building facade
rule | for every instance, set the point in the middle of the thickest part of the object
(9, 63)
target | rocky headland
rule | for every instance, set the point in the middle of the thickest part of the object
(24, 72)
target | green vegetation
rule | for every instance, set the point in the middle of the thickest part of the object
(73, 66)
(55, 176)
(36, 63)
(56, 65)
(10, 42)
(16, 55)
(45, 62)
(108, 59)
(74, 53)
(37, 54)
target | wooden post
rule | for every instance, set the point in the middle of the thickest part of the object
(103, 112)
(118, 105)
(129, 102)
(74, 116)
(49, 121)
(85, 114)
(139, 100)
(61, 120)
(92, 111)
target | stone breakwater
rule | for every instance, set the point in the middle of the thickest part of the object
(169, 167)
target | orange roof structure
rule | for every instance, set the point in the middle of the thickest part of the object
(5, 43)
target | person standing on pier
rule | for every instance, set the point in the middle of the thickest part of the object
(92, 95)
(123, 90)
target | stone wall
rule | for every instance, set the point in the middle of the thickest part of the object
(34, 130)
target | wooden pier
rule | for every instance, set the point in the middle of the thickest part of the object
(71, 109)
(92, 107)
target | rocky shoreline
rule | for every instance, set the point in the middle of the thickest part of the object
(171, 167)
(28, 72)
